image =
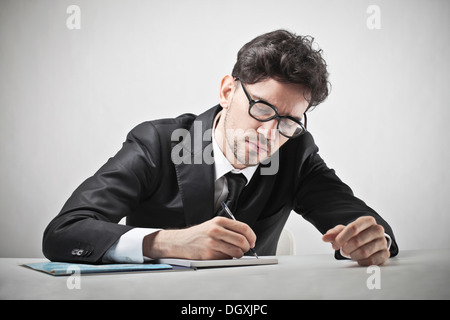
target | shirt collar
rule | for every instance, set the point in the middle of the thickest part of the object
(223, 166)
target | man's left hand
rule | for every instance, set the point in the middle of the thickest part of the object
(363, 240)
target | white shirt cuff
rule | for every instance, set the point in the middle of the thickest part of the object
(389, 240)
(128, 249)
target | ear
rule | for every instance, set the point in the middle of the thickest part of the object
(226, 91)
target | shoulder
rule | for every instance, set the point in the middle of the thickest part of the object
(150, 132)
(163, 129)
(162, 126)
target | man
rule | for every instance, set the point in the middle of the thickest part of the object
(171, 175)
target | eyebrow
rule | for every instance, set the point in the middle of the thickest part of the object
(261, 99)
(258, 98)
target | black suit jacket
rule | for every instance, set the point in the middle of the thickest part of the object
(143, 184)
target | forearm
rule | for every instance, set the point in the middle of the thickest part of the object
(218, 238)
(325, 201)
(160, 244)
(170, 243)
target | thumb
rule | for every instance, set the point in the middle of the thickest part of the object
(331, 234)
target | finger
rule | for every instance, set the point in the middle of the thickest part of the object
(221, 243)
(331, 234)
(369, 249)
(377, 258)
(229, 232)
(217, 255)
(225, 250)
(364, 237)
(352, 230)
(217, 249)
(234, 239)
(239, 228)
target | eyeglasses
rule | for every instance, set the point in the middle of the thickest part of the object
(264, 111)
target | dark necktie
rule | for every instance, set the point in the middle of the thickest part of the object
(236, 183)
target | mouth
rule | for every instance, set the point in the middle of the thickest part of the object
(257, 147)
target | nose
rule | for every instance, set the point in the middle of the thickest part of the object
(268, 128)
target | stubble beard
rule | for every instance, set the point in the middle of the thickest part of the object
(238, 142)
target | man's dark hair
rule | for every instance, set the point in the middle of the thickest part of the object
(285, 57)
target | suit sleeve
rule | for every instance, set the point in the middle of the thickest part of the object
(87, 225)
(325, 201)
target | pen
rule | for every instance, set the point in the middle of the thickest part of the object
(228, 211)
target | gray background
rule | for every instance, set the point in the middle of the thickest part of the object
(69, 97)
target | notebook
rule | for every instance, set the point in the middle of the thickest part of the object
(244, 261)
(66, 269)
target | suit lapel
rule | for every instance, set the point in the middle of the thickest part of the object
(195, 172)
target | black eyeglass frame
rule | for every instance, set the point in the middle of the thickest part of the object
(275, 116)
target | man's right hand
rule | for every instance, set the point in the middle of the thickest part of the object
(218, 238)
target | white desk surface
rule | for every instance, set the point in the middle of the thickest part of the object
(423, 274)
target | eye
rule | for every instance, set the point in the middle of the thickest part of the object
(290, 127)
(262, 111)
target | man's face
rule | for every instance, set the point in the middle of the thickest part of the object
(246, 140)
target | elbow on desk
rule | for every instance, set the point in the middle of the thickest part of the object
(80, 238)
(60, 237)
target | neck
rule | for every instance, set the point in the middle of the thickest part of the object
(219, 136)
